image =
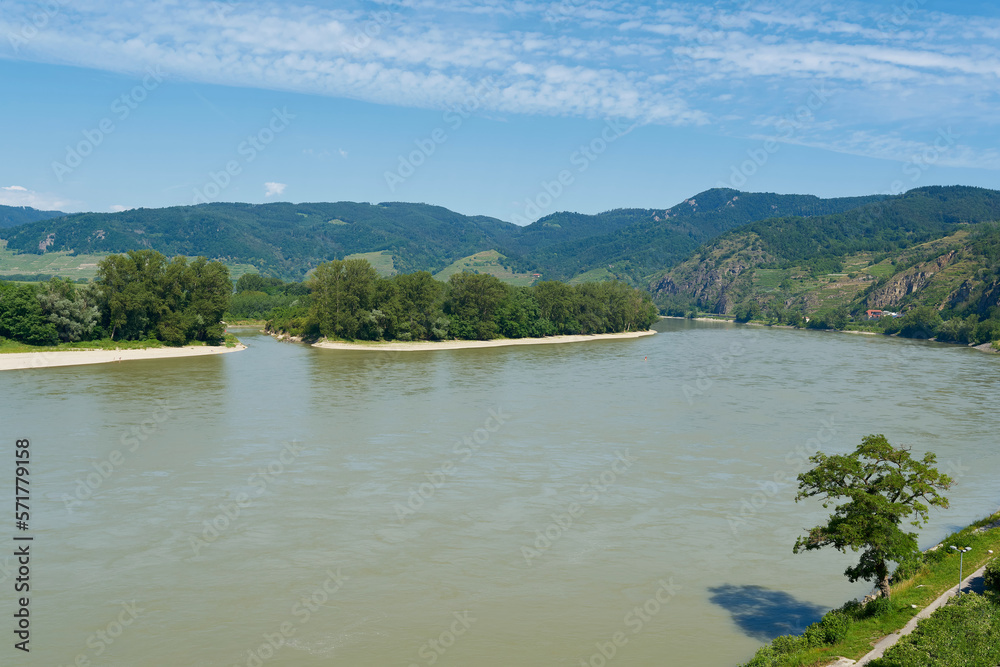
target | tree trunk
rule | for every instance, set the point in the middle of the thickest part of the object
(883, 581)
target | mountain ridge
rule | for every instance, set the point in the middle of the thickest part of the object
(287, 240)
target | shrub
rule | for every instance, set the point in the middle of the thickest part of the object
(878, 607)
(765, 657)
(992, 576)
(908, 568)
(835, 626)
(787, 644)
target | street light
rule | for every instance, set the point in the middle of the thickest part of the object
(961, 557)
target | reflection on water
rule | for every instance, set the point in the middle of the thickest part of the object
(302, 507)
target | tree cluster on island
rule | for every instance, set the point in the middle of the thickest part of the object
(143, 295)
(350, 301)
(140, 295)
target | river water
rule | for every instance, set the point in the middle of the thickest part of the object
(622, 502)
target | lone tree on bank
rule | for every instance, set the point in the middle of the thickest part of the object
(883, 486)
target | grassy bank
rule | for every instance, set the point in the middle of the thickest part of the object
(852, 630)
(10, 346)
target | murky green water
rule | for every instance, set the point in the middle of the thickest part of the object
(509, 506)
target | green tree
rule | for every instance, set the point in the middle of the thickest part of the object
(22, 318)
(344, 294)
(918, 323)
(746, 311)
(70, 308)
(557, 304)
(517, 316)
(472, 304)
(419, 297)
(207, 299)
(144, 295)
(130, 284)
(883, 486)
(829, 318)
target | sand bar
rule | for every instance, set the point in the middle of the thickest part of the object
(419, 346)
(24, 360)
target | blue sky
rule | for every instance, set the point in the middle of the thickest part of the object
(510, 109)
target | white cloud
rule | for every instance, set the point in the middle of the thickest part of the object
(17, 195)
(343, 153)
(274, 189)
(673, 63)
(118, 208)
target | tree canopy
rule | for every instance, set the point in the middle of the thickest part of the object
(350, 300)
(137, 296)
(882, 486)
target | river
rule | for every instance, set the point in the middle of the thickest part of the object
(621, 502)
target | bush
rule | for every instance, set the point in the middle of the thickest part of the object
(829, 318)
(919, 323)
(964, 632)
(765, 657)
(992, 576)
(787, 644)
(835, 626)
(878, 607)
(908, 568)
(986, 331)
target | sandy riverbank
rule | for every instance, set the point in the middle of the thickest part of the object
(25, 360)
(403, 346)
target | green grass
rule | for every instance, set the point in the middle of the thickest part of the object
(487, 261)
(881, 270)
(56, 263)
(381, 261)
(237, 270)
(966, 631)
(67, 265)
(769, 279)
(9, 346)
(938, 574)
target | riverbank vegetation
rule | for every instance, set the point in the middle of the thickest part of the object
(138, 296)
(348, 300)
(852, 629)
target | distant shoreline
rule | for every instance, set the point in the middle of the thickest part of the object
(418, 346)
(25, 360)
(985, 347)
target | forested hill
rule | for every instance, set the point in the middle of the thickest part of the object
(635, 244)
(12, 216)
(280, 239)
(806, 263)
(286, 240)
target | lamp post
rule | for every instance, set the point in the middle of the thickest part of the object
(961, 557)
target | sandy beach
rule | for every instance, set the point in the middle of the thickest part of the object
(25, 360)
(402, 346)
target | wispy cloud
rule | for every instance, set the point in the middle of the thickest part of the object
(726, 64)
(16, 195)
